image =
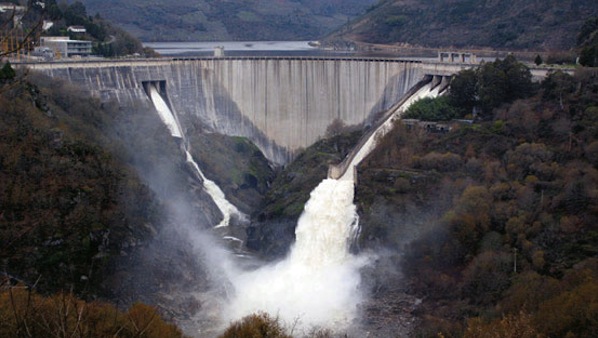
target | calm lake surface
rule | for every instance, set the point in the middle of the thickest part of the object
(240, 48)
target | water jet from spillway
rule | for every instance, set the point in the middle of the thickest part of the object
(318, 284)
(169, 119)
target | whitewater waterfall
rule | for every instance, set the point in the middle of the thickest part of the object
(317, 285)
(226, 208)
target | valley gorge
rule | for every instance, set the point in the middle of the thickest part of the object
(199, 282)
(331, 194)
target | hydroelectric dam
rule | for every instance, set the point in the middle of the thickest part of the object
(282, 104)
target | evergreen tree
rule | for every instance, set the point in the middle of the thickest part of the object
(463, 93)
(589, 56)
(587, 41)
(538, 60)
(7, 72)
(490, 85)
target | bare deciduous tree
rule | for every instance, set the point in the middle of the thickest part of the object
(14, 37)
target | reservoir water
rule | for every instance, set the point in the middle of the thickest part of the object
(245, 48)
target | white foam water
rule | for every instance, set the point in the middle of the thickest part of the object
(226, 208)
(318, 284)
(164, 112)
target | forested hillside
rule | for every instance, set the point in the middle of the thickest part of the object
(587, 43)
(86, 210)
(67, 203)
(494, 223)
(512, 24)
(72, 205)
(109, 40)
(203, 20)
(50, 18)
(490, 222)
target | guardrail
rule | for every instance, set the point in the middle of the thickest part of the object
(167, 60)
(433, 66)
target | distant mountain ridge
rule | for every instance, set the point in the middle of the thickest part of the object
(507, 24)
(204, 20)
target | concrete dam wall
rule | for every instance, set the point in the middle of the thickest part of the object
(281, 104)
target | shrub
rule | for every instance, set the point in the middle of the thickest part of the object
(258, 325)
(446, 162)
(431, 109)
(538, 60)
(510, 326)
(487, 276)
(574, 312)
(24, 313)
(7, 72)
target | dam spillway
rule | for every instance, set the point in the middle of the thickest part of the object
(281, 104)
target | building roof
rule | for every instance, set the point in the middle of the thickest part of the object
(76, 29)
(8, 6)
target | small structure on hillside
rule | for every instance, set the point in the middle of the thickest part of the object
(457, 57)
(219, 51)
(433, 126)
(47, 24)
(46, 53)
(9, 7)
(63, 46)
(77, 29)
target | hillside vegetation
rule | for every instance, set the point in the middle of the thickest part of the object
(67, 203)
(87, 199)
(27, 314)
(72, 205)
(496, 221)
(109, 40)
(506, 24)
(203, 20)
(587, 42)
